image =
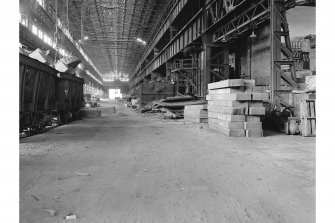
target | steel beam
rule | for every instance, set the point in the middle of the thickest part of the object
(259, 10)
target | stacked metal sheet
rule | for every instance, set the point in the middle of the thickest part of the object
(196, 113)
(235, 107)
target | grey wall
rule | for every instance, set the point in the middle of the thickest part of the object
(260, 56)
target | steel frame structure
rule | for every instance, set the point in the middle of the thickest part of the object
(187, 71)
(45, 18)
(113, 26)
(256, 13)
(223, 20)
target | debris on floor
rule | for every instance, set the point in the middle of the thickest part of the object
(171, 107)
(156, 89)
(35, 197)
(52, 212)
(158, 159)
(71, 217)
(82, 174)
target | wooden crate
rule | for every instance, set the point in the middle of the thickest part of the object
(297, 99)
(308, 117)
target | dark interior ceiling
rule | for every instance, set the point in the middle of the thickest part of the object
(112, 28)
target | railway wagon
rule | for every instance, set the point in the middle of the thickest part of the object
(37, 93)
(70, 96)
(46, 96)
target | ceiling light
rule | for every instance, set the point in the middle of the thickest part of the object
(253, 35)
(85, 37)
(224, 40)
(109, 6)
(141, 41)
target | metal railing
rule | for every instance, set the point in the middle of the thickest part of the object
(180, 64)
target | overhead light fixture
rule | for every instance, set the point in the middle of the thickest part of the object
(253, 35)
(141, 41)
(109, 7)
(224, 40)
(253, 26)
(85, 37)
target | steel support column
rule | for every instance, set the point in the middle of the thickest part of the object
(281, 53)
(168, 68)
(206, 62)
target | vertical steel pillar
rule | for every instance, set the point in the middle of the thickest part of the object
(226, 62)
(278, 30)
(168, 69)
(206, 63)
(273, 84)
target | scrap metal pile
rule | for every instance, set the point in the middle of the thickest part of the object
(171, 107)
(153, 90)
(64, 64)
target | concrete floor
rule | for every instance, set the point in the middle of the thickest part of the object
(145, 169)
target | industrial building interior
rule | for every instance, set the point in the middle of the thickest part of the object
(167, 111)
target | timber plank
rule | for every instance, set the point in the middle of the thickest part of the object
(230, 97)
(252, 119)
(227, 90)
(195, 107)
(225, 103)
(308, 119)
(196, 120)
(195, 112)
(226, 124)
(225, 117)
(228, 132)
(195, 116)
(254, 132)
(256, 89)
(227, 110)
(256, 111)
(260, 96)
(252, 125)
(230, 83)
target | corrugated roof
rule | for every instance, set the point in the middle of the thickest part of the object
(112, 28)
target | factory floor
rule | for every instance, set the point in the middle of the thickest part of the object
(129, 167)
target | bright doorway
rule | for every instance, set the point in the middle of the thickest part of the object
(115, 93)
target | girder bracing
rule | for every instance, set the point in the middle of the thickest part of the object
(112, 28)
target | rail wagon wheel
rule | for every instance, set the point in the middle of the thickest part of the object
(33, 123)
(55, 118)
(28, 122)
(21, 124)
(59, 119)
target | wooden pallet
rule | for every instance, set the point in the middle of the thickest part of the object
(308, 117)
